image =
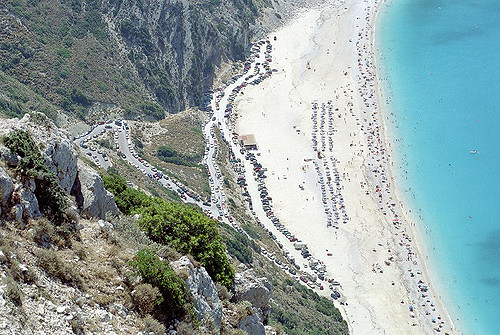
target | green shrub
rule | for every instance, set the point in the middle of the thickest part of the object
(327, 307)
(105, 143)
(131, 199)
(127, 199)
(159, 274)
(12, 109)
(238, 246)
(182, 227)
(153, 110)
(64, 53)
(50, 196)
(80, 98)
(189, 231)
(169, 155)
(294, 323)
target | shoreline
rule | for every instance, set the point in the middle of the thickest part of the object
(359, 316)
(404, 196)
(409, 215)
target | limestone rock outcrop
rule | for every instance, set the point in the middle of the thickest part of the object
(252, 324)
(62, 162)
(206, 300)
(73, 176)
(28, 199)
(8, 156)
(257, 291)
(6, 189)
(97, 201)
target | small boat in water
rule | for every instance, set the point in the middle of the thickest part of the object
(473, 151)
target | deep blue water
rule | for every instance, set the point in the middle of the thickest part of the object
(440, 65)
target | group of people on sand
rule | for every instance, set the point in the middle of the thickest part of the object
(326, 164)
(371, 124)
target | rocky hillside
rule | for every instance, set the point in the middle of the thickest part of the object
(142, 56)
(71, 263)
(31, 195)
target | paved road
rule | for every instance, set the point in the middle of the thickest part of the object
(219, 104)
(224, 97)
(123, 145)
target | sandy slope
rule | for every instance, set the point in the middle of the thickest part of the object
(278, 112)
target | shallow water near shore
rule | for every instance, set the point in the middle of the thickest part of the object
(439, 64)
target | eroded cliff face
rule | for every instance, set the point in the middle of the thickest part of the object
(78, 55)
(72, 55)
(175, 45)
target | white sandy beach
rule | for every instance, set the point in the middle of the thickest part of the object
(316, 56)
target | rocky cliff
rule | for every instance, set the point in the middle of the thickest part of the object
(72, 175)
(176, 45)
(121, 53)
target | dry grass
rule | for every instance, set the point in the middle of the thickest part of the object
(93, 265)
(151, 325)
(12, 291)
(54, 266)
(223, 292)
(145, 297)
(232, 331)
(182, 133)
(240, 310)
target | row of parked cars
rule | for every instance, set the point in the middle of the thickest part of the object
(85, 141)
(318, 270)
(260, 174)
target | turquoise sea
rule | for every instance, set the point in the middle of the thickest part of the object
(439, 62)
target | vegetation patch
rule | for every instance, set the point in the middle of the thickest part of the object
(297, 317)
(54, 47)
(151, 325)
(182, 227)
(57, 268)
(12, 291)
(239, 246)
(159, 274)
(47, 235)
(146, 298)
(127, 199)
(50, 196)
(182, 137)
(11, 108)
(169, 155)
(188, 231)
(151, 110)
